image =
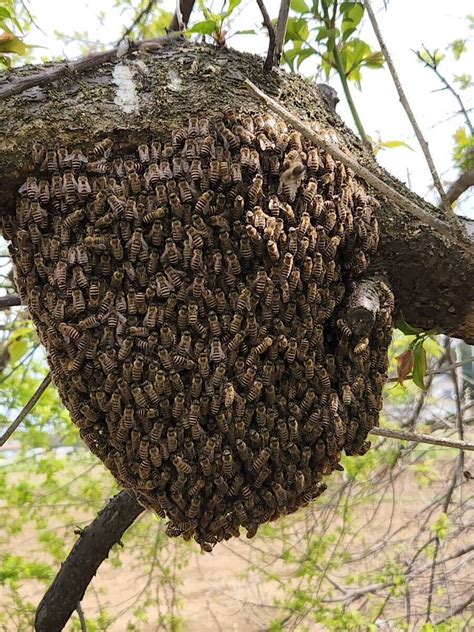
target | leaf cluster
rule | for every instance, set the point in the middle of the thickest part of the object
(326, 29)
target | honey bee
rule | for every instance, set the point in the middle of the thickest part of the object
(77, 160)
(103, 148)
(255, 190)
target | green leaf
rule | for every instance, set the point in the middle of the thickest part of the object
(233, 4)
(464, 81)
(458, 47)
(4, 14)
(299, 6)
(407, 329)
(375, 60)
(206, 27)
(396, 143)
(391, 144)
(10, 43)
(297, 30)
(17, 350)
(352, 15)
(441, 526)
(419, 364)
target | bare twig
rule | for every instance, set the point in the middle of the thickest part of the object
(82, 618)
(139, 18)
(271, 36)
(186, 7)
(350, 161)
(26, 410)
(11, 300)
(280, 32)
(406, 106)
(430, 61)
(464, 182)
(457, 610)
(422, 438)
(80, 566)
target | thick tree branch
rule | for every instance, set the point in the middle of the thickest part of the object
(88, 553)
(429, 274)
(186, 10)
(464, 182)
(26, 410)
(271, 36)
(418, 133)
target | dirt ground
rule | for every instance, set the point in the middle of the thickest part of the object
(222, 592)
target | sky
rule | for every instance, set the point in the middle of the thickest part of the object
(407, 25)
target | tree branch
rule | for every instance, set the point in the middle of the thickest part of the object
(17, 86)
(431, 62)
(418, 133)
(140, 17)
(80, 566)
(271, 36)
(26, 410)
(10, 300)
(422, 438)
(82, 618)
(464, 182)
(280, 32)
(186, 7)
(350, 161)
(456, 611)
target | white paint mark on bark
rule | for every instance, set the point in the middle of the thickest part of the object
(174, 82)
(127, 96)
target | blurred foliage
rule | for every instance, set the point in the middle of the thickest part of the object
(10, 42)
(213, 23)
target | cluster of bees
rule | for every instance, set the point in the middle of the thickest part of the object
(191, 297)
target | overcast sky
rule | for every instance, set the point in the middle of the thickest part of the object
(407, 25)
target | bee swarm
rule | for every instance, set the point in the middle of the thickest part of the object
(193, 300)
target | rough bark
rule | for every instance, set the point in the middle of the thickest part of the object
(431, 279)
(90, 550)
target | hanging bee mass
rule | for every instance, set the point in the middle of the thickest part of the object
(192, 300)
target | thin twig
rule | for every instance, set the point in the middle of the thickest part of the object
(26, 410)
(186, 7)
(406, 106)
(350, 161)
(271, 36)
(446, 503)
(280, 32)
(430, 62)
(422, 438)
(10, 300)
(140, 17)
(457, 611)
(82, 618)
